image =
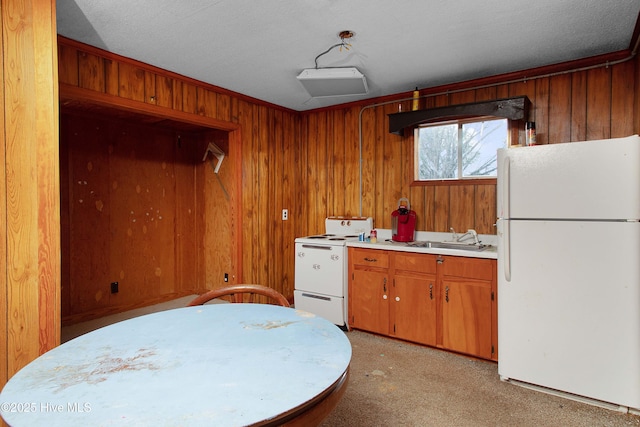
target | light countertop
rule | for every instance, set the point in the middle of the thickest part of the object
(385, 242)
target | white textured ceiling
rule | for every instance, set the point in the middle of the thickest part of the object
(258, 47)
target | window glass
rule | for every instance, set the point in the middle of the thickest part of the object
(458, 150)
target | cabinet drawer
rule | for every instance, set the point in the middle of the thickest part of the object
(369, 257)
(418, 263)
(471, 268)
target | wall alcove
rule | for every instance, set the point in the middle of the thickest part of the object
(140, 207)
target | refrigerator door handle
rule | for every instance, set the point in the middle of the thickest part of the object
(506, 240)
(506, 208)
(506, 190)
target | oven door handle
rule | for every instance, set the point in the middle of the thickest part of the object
(324, 298)
(325, 248)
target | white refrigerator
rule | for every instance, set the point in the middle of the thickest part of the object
(569, 269)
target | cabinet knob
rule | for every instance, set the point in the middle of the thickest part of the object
(397, 298)
(446, 294)
(384, 296)
(430, 290)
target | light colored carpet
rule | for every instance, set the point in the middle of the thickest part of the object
(394, 383)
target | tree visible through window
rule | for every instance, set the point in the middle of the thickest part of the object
(458, 150)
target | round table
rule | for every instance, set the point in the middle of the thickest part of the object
(213, 365)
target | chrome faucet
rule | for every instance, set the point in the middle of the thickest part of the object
(470, 234)
(454, 235)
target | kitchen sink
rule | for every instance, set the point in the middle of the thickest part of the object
(449, 245)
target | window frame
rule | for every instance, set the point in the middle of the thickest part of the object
(511, 128)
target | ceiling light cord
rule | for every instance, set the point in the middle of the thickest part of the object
(341, 45)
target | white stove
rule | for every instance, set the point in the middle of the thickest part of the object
(321, 268)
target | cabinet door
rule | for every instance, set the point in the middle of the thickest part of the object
(414, 303)
(369, 301)
(466, 316)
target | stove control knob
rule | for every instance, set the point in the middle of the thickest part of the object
(348, 223)
(342, 223)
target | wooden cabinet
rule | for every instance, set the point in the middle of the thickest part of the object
(441, 301)
(468, 305)
(369, 295)
(414, 299)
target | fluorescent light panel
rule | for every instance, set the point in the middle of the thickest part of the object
(323, 82)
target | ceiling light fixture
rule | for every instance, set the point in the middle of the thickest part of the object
(337, 81)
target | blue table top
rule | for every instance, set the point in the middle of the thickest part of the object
(213, 365)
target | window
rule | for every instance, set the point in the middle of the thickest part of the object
(460, 149)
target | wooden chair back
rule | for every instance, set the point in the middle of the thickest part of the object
(242, 293)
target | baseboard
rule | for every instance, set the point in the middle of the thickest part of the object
(571, 396)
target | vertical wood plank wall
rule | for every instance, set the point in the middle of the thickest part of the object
(133, 208)
(306, 162)
(586, 105)
(29, 189)
(269, 138)
(309, 162)
(5, 353)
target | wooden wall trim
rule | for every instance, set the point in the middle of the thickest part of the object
(71, 94)
(165, 73)
(500, 79)
(235, 154)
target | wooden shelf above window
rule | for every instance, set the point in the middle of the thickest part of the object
(508, 108)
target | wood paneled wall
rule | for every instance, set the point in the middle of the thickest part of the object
(306, 162)
(260, 164)
(134, 213)
(270, 140)
(569, 106)
(29, 186)
(310, 162)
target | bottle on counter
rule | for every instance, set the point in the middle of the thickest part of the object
(373, 237)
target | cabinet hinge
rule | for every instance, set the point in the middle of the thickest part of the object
(492, 296)
(493, 350)
(394, 328)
